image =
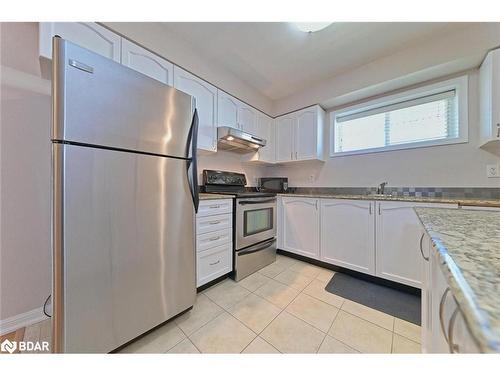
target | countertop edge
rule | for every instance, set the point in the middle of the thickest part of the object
(478, 202)
(476, 321)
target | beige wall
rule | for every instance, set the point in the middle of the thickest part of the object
(25, 175)
(459, 165)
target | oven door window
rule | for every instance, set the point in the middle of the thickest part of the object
(256, 221)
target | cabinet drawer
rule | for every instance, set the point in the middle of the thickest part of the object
(213, 263)
(215, 207)
(213, 239)
(206, 224)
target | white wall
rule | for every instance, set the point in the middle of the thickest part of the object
(460, 165)
(161, 40)
(25, 174)
(427, 59)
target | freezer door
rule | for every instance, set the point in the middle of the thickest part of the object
(98, 101)
(127, 250)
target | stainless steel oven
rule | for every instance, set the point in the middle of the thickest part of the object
(255, 234)
(255, 220)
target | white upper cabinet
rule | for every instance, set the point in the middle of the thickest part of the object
(489, 85)
(347, 234)
(309, 134)
(247, 118)
(206, 104)
(227, 110)
(284, 138)
(266, 131)
(300, 226)
(398, 236)
(299, 135)
(86, 34)
(146, 62)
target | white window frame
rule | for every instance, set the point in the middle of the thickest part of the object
(459, 84)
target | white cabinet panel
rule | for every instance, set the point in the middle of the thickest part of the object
(489, 85)
(347, 234)
(214, 207)
(426, 295)
(213, 263)
(284, 141)
(146, 62)
(247, 118)
(227, 110)
(206, 104)
(300, 231)
(266, 131)
(306, 138)
(398, 242)
(86, 34)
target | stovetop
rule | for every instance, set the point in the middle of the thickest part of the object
(222, 182)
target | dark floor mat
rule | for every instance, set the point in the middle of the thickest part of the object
(391, 301)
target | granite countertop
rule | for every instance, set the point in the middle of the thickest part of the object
(402, 198)
(207, 196)
(468, 246)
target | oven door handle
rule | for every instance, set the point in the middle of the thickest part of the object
(258, 202)
(254, 250)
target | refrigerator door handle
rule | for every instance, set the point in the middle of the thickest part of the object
(192, 165)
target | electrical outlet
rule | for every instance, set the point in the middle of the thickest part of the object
(311, 178)
(493, 170)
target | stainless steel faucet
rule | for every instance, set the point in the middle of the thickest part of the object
(381, 188)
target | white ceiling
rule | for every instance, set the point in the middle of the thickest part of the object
(278, 60)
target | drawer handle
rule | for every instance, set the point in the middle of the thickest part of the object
(215, 206)
(214, 263)
(214, 222)
(421, 248)
(441, 312)
(214, 238)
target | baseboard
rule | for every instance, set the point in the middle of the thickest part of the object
(22, 320)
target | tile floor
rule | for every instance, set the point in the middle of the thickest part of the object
(282, 308)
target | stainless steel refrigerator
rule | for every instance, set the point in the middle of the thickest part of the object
(125, 193)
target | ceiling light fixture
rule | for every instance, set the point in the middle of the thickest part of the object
(311, 27)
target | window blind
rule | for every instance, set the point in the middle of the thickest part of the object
(421, 119)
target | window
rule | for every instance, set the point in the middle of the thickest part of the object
(427, 116)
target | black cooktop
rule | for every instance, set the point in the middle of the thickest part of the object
(222, 182)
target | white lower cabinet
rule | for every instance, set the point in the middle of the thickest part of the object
(447, 330)
(347, 234)
(426, 295)
(214, 240)
(300, 223)
(398, 256)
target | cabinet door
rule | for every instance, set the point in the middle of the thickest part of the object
(442, 308)
(426, 295)
(227, 110)
(301, 226)
(306, 134)
(266, 131)
(86, 34)
(147, 63)
(247, 118)
(206, 104)
(347, 234)
(284, 129)
(398, 242)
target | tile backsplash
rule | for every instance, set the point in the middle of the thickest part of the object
(431, 192)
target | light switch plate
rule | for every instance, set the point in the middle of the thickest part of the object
(493, 170)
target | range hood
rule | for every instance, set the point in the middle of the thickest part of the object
(231, 139)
